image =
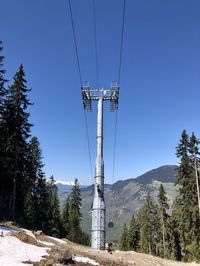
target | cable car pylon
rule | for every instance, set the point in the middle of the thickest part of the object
(98, 207)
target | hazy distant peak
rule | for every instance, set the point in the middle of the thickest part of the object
(65, 183)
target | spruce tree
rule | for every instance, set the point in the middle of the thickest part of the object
(29, 211)
(15, 131)
(66, 218)
(75, 213)
(2, 79)
(150, 229)
(36, 186)
(163, 207)
(188, 200)
(174, 243)
(124, 240)
(134, 234)
(54, 211)
(194, 246)
(42, 205)
(3, 205)
(71, 217)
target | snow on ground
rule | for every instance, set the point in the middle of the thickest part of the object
(5, 230)
(85, 260)
(58, 240)
(46, 243)
(13, 251)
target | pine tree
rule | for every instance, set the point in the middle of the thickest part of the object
(15, 131)
(75, 214)
(54, 215)
(194, 151)
(194, 246)
(150, 233)
(124, 240)
(2, 79)
(187, 198)
(36, 186)
(29, 211)
(41, 205)
(174, 243)
(3, 206)
(66, 218)
(163, 207)
(71, 217)
(134, 234)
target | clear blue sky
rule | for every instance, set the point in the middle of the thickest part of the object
(160, 80)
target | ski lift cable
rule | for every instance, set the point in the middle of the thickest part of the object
(75, 42)
(116, 114)
(122, 41)
(95, 42)
(81, 84)
(119, 76)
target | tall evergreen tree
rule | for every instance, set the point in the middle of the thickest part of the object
(54, 212)
(36, 212)
(150, 233)
(174, 243)
(2, 79)
(2, 147)
(134, 234)
(42, 205)
(194, 151)
(124, 241)
(66, 218)
(75, 213)
(15, 131)
(188, 200)
(163, 207)
(71, 217)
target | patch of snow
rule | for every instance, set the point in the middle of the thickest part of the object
(46, 243)
(85, 260)
(5, 230)
(14, 252)
(58, 240)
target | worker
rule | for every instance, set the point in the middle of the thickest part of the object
(110, 247)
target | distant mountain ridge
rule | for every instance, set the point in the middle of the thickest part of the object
(166, 173)
(125, 197)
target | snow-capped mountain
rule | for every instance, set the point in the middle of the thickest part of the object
(65, 186)
(65, 183)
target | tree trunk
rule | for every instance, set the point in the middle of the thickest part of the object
(163, 234)
(14, 197)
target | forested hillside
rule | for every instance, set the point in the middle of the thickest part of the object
(125, 197)
(176, 235)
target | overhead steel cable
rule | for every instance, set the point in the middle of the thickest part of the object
(81, 84)
(75, 43)
(114, 150)
(121, 43)
(95, 42)
(88, 143)
(119, 77)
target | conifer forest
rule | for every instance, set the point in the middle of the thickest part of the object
(174, 235)
(27, 197)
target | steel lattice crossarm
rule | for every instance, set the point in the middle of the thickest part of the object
(111, 95)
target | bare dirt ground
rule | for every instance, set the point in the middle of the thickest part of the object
(62, 252)
(118, 258)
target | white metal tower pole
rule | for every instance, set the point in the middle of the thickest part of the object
(98, 208)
